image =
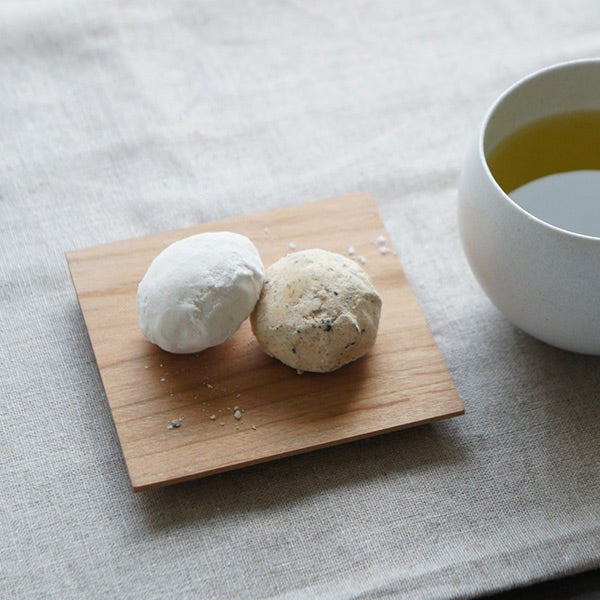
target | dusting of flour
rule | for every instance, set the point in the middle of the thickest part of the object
(199, 290)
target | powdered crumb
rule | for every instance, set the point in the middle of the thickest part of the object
(146, 366)
(213, 417)
(292, 246)
(362, 260)
(163, 379)
(384, 250)
(351, 251)
(380, 241)
(254, 427)
(238, 414)
(175, 423)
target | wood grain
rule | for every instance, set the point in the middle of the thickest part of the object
(402, 382)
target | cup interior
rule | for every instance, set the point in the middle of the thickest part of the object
(560, 89)
(570, 202)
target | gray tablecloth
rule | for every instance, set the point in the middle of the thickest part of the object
(119, 119)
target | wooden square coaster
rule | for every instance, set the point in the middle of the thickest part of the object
(180, 417)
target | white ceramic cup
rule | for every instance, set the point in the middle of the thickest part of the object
(541, 276)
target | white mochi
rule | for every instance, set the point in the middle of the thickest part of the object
(199, 290)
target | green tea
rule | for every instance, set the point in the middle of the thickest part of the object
(552, 169)
(565, 142)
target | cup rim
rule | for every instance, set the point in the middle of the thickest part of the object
(480, 144)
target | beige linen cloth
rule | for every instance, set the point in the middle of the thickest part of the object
(119, 119)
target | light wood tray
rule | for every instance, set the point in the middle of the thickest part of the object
(402, 382)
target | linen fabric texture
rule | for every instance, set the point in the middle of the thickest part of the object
(121, 119)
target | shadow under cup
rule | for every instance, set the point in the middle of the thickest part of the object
(529, 215)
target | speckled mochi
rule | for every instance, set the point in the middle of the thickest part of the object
(317, 311)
